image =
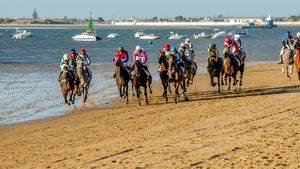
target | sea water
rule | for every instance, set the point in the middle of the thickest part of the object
(29, 67)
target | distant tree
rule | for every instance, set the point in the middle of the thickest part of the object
(180, 19)
(100, 20)
(65, 19)
(154, 19)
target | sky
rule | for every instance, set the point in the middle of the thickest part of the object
(116, 9)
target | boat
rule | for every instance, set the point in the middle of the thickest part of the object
(112, 35)
(21, 34)
(220, 34)
(89, 35)
(202, 35)
(175, 36)
(149, 37)
(139, 33)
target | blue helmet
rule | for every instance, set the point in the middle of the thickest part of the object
(287, 33)
(173, 49)
(73, 50)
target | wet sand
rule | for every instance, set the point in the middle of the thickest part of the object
(256, 127)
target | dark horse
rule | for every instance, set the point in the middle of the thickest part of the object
(231, 68)
(85, 77)
(139, 80)
(215, 70)
(163, 74)
(190, 69)
(68, 86)
(176, 76)
(122, 79)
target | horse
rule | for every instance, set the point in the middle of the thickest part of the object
(122, 79)
(190, 70)
(288, 61)
(215, 70)
(68, 86)
(177, 77)
(85, 77)
(231, 69)
(163, 74)
(139, 80)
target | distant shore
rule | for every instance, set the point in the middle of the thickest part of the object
(141, 24)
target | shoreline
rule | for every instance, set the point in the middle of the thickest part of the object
(260, 129)
(63, 110)
(141, 25)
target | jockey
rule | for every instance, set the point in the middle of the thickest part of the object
(64, 65)
(72, 57)
(122, 54)
(166, 49)
(227, 44)
(184, 51)
(177, 58)
(189, 44)
(213, 52)
(84, 60)
(236, 44)
(285, 44)
(141, 55)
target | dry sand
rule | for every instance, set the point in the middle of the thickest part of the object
(257, 127)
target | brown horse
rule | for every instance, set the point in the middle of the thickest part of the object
(231, 69)
(176, 76)
(190, 70)
(139, 80)
(122, 80)
(85, 77)
(297, 58)
(215, 70)
(68, 86)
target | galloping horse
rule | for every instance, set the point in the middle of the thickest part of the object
(85, 77)
(122, 79)
(139, 80)
(163, 74)
(231, 68)
(190, 70)
(176, 76)
(215, 70)
(68, 86)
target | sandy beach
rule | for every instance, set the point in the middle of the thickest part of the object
(256, 127)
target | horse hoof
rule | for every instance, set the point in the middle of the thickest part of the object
(186, 99)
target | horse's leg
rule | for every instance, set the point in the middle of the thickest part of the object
(225, 77)
(166, 85)
(120, 90)
(219, 89)
(212, 82)
(241, 76)
(176, 98)
(169, 87)
(132, 90)
(145, 93)
(137, 90)
(126, 93)
(229, 83)
(66, 98)
(149, 84)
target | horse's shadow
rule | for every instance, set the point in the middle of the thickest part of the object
(213, 95)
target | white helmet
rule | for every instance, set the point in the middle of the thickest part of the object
(237, 37)
(187, 40)
(298, 35)
(138, 48)
(65, 57)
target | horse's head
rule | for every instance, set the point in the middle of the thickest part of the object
(137, 67)
(118, 63)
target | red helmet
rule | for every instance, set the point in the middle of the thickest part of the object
(83, 51)
(228, 39)
(166, 47)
